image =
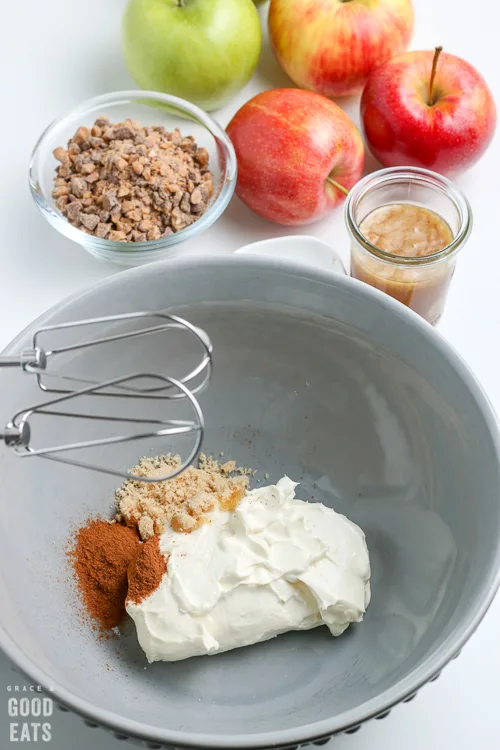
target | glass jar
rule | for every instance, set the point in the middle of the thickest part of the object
(419, 281)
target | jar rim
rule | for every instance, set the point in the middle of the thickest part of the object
(415, 175)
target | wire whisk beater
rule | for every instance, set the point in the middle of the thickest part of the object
(131, 407)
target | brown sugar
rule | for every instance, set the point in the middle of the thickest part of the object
(101, 556)
(180, 502)
(146, 571)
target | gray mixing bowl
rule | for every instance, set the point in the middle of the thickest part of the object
(324, 379)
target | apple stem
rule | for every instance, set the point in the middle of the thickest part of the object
(437, 52)
(181, 3)
(336, 184)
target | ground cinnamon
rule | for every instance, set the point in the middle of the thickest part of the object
(146, 571)
(101, 556)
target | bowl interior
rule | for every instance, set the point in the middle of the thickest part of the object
(352, 398)
(147, 108)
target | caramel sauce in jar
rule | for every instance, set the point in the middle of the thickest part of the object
(406, 230)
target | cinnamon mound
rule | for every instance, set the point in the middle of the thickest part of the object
(101, 556)
(146, 571)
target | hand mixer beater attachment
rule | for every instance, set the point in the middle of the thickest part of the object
(133, 402)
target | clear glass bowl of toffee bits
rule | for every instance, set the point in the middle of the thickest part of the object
(407, 226)
(131, 174)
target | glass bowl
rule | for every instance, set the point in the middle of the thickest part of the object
(148, 108)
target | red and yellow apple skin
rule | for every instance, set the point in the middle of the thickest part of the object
(288, 142)
(332, 46)
(447, 135)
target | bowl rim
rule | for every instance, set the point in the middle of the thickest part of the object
(135, 250)
(378, 706)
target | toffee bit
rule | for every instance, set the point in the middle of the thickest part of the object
(163, 177)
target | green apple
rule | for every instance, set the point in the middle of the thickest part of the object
(201, 50)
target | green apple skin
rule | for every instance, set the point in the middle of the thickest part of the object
(204, 51)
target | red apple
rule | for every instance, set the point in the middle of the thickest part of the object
(331, 46)
(298, 155)
(428, 109)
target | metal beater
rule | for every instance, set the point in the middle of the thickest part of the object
(154, 387)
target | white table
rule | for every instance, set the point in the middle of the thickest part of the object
(55, 53)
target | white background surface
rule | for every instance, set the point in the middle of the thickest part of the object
(55, 53)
